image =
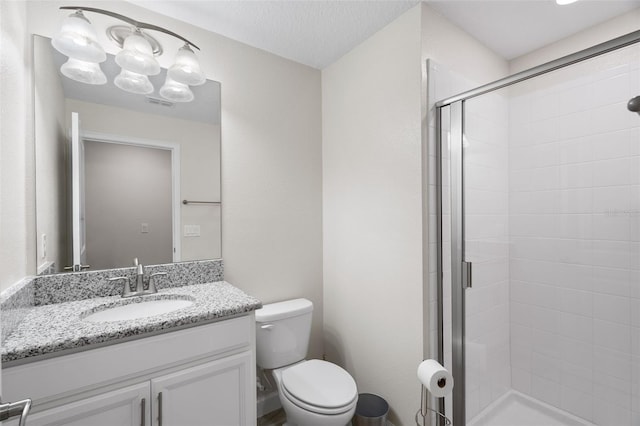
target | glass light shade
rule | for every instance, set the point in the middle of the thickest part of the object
(186, 69)
(77, 39)
(136, 56)
(563, 2)
(84, 72)
(175, 91)
(133, 82)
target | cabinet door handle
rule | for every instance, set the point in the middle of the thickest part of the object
(143, 407)
(159, 408)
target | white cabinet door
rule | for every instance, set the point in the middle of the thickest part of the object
(213, 394)
(123, 407)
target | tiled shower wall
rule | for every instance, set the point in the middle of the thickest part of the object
(574, 226)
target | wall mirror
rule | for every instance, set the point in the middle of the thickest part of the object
(145, 182)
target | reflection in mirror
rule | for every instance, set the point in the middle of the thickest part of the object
(135, 160)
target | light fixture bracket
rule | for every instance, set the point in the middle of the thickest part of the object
(133, 22)
(118, 33)
(136, 59)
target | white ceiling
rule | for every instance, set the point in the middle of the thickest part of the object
(318, 32)
(513, 28)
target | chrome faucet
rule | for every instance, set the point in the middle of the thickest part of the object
(139, 276)
(140, 279)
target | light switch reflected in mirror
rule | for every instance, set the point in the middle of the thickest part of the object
(138, 157)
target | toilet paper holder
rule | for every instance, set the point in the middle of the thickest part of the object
(437, 382)
(424, 410)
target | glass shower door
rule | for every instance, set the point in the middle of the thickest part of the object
(486, 246)
(543, 199)
(475, 243)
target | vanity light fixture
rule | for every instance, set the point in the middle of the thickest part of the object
(78, 40)
(83, 71)
(136, 55)
(175, 91)
(133, 82)
(186, 69)
(565, 2)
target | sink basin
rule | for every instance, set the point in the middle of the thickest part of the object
(132, 310)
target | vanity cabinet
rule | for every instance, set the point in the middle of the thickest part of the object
(123, 407)
(208, 394)
(198, 376)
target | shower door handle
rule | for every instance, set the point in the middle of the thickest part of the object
(466, 274)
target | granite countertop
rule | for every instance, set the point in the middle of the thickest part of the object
(55, 328)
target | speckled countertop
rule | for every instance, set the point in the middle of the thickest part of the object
(55, 328)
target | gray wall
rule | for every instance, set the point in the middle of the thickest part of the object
(126, 186)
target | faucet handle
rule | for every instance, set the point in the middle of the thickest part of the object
(127, 284)
(152, 284)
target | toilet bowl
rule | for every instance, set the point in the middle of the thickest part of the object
(312, 392)
(316, 392)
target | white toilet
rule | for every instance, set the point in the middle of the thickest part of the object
(311, 392)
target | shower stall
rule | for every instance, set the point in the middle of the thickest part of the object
(536, 208)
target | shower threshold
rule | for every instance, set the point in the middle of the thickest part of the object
(517, 409)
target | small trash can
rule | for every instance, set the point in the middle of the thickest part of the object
(371, 410)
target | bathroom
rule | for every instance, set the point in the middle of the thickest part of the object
(324, 183)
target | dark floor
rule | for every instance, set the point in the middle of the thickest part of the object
(275, 418)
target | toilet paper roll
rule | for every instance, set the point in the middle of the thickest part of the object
(435, 378)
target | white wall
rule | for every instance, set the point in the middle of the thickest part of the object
(451, 46)
(600, 33)
(271, 156)
(17, 213)
(372, 213)
(51, 171)
(374, 110)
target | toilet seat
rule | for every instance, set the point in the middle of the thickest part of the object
(320, 387)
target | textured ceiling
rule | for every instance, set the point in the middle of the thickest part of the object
(318, 32)
(312, 32)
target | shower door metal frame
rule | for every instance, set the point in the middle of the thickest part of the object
(456, 188)
(459, 268)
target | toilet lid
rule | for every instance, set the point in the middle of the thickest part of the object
(320, 384)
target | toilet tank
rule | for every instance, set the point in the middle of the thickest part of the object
(282, 333)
